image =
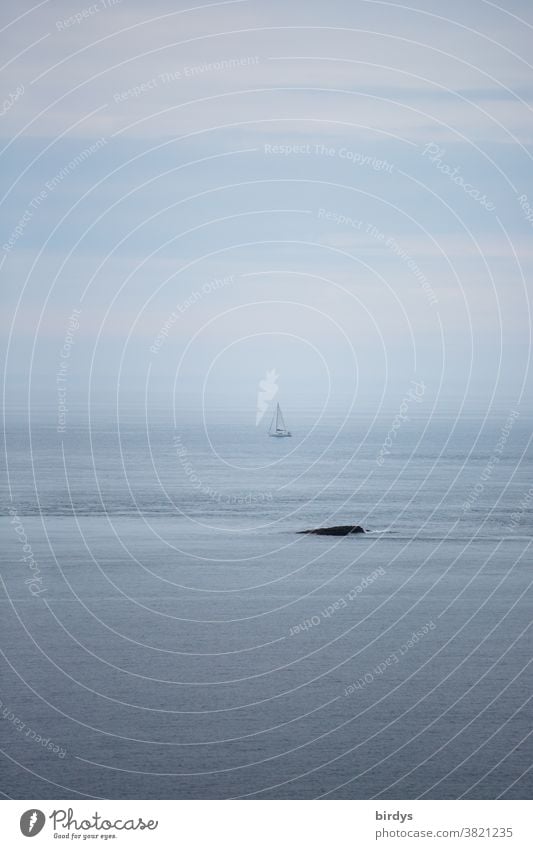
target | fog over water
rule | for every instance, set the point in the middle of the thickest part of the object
(208, 210)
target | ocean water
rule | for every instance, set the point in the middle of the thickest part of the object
(181, 640)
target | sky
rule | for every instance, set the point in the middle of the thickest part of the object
(194, 194)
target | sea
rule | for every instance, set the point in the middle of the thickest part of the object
(167, 633)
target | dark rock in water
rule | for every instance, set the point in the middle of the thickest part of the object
(336, 531)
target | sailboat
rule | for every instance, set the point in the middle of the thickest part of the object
(277, 425)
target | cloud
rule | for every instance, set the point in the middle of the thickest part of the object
(409, 74)
(172, 199)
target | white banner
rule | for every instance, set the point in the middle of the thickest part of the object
(264, 824)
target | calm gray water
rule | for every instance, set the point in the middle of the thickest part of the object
(182, 641)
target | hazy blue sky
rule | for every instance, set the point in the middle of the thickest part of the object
(357, 174)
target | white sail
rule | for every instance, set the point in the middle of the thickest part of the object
(277, 425)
